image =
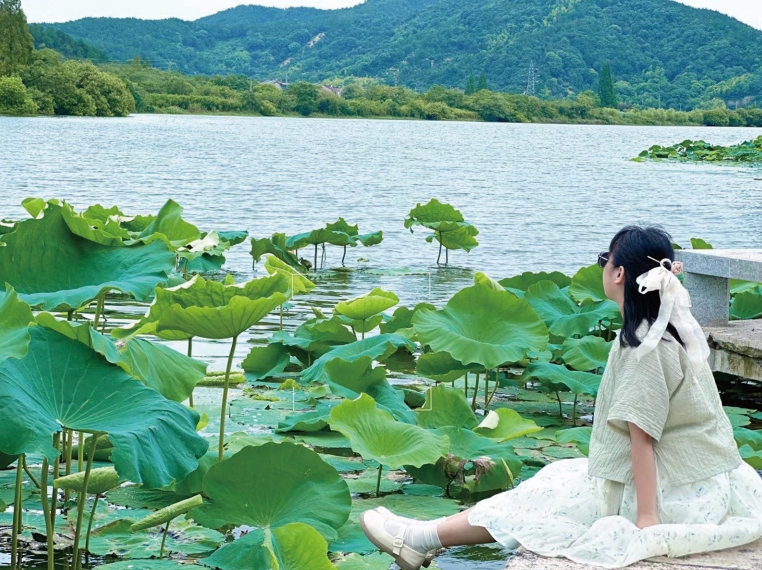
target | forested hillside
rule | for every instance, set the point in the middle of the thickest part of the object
(662, 53)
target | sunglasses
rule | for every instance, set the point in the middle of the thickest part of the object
(603, 258)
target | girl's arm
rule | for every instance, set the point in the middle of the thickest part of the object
(644, 473)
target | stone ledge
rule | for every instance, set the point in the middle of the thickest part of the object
(743, 264)
(748, 557)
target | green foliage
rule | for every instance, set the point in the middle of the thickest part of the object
(66, 45)
(700, 151)
(14, 97)
(606, 88)
(16, 43)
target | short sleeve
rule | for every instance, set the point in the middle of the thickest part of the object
(641, 394)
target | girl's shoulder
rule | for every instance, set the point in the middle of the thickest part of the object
(669, 353)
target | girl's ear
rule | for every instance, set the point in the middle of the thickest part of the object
(619, 275)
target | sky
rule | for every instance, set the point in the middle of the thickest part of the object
(748, 11)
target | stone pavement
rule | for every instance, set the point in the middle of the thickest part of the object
(747, 557)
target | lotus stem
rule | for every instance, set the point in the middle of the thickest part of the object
(46, 511)
(315, 258)
(98, 311)
(363, 330)
(223, 414)
(89, 529)
(574, 411)
(344, 256)
(465, 378)
(164, 539)
(281, 317)
(560, 409)
(68, 444)
(31, 475)
(81, 500)
(476, 391)
(495, 387)
(447, 257)
(69, 314)
(440, 248)
(54, 500)
(190, 353)
(486, 389)
(80, 450)
(378, 481)
(17, 509)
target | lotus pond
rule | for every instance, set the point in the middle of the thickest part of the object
(119, 449)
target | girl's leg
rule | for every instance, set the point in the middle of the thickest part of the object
(457, 531)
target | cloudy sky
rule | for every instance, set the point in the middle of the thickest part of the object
(749, 11)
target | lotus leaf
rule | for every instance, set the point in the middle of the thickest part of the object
(371, 239)
(484, 464)
(560, 313)
(277, 247)
(167, 514)
(317, 237)
(102, 231)
(698, 243)
(461, 238)
(587, 285)
(101, 480)
(296, 546)
(265, 361)
(61, 382)
(36, 206)
(53, 269)
(579, 436)
(481, 278)
(749, 437)
(15, 317)
(446, 407)
(747, 305)
(375, 561)
(213, 310)
(376, 435)
(557, 376)
(750, 456)
(306, 422)
(146, 564)
(299, 283)
(421, 508)
(483, 326)
(341, 225)
(275, 484)
(435, 216)
(366, 306)
(504, 424)
(377, 347)
(403, 318)
(441, 367)
(527, 279)
(587, 353)
(170, 227)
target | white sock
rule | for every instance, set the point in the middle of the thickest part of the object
(390, 515)
(421, 537)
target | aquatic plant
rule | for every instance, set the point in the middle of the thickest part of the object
(449, 227)
(701, 151)
(363, 313)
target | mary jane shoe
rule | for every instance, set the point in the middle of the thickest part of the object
(372, 523)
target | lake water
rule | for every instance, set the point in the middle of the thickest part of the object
(544, 197)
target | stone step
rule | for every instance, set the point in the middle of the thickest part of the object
(747, 557)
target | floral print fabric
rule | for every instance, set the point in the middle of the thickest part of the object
(562, 512)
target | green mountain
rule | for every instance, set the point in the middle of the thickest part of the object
(662, 53)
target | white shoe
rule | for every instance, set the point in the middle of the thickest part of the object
(383, 511)
(372, 523)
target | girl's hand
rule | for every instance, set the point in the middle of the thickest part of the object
(644, 521)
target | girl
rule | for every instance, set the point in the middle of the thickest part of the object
(664, 476)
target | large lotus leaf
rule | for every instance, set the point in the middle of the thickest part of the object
(307, 422)
(103, 231)
(403, 318)
(747, 305)
(489, 465)
(442, 367)
(341, 225)
(461, 238)
(698, 243)
(376, 435)
(15, 317)
(586, 353)
(233, 237)
(276, 245)
(376, 347)
(299, 283)
(749, 437)
(750, 456)
(587, 285)
(435, 215)
(350, 379)
(579, 436)
(560, 313)
(51, 268)
(558, 376)
(275, 484)
(317, 237)
(172, 374)
(362, 326)
(265, 361)
(214, 310)
(62, 383)
(375, 561)
(369, 240)
(446, 407)
(296, 546)
(368, 305)
(483, 326)
(504, 424)
(170, 227)
(481, 278)
(527, 279)
(36, 206)
(146, 564)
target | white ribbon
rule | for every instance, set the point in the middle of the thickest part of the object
(675, 309)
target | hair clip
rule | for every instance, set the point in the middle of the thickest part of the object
(677, 267)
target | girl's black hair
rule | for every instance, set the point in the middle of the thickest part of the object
(631, 248)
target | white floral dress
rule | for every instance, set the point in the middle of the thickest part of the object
(562, 512)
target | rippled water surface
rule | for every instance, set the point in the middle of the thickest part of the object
(544, 197)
